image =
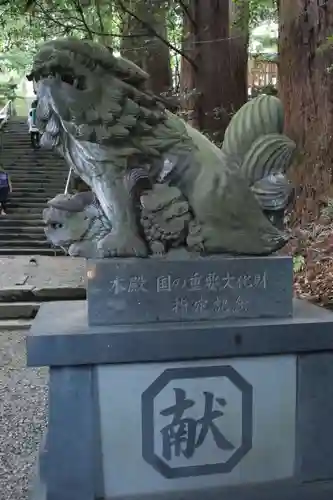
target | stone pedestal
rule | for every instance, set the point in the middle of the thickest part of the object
(183, 379)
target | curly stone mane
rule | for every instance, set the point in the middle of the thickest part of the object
(112, 106)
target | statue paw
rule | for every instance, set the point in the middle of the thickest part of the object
(196, 237)
(122, 244)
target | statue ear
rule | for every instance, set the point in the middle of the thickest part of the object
(84, 198)
(71, 203)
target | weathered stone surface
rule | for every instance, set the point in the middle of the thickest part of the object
(270, 422)
(14, 324)
(60, 293)
(126, 143)
(137, 291)
(17, 293)
(18, 310)
(27, 293)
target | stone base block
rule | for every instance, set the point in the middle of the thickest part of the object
(238, 409)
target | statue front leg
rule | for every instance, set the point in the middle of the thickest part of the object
(116, 202)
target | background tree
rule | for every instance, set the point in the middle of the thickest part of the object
(144, 32)
(305, 86)
(211, 85)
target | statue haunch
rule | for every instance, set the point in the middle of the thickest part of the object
(94, 109)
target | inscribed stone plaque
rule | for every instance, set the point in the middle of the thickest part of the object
(150, 290)
(183, 426)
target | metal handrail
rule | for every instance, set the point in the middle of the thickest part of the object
(5, 113)
(68, 180)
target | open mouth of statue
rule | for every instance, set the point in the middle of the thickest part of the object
(66, 75)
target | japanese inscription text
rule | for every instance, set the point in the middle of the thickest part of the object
(197, 294)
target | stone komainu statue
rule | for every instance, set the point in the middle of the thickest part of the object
(159, 182)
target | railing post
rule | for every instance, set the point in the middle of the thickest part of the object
(68, 180)
(4, 116)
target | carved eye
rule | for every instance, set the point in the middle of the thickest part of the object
(56, 225)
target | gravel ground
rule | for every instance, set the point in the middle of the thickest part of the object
(23, 399)
(17, 270)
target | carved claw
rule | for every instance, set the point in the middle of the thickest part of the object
(86, 249)
(122, 244)
(195, 237)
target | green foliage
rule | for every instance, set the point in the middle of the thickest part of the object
(22, 31)
(298, 263)
(26, 23)
(260, 11)
(269, 89)
(327, 212)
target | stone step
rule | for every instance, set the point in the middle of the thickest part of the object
(58, 187)
(13, 325)
(33, 164)
(24, 218)
(36, 170)
(15, 228)
(30, 251)
(18, 310)
(18, 200)
(41, 179)
(38, 244)
(30, 169)
(22, 227)
(26, 212)
(36, 192)
(37, 176)
(30, 155)
(30, 164)
(35, 188)
(40, 188)
(29, 204)
(28, 293)
(28, 237)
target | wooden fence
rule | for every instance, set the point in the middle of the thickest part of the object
(262, 72)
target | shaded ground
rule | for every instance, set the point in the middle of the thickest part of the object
(23, 396)
(313, 247)
(23, 391)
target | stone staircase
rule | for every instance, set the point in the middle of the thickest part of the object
(36, 177)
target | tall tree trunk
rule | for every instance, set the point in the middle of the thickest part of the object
(306, 89)
(146, 50)
(240, 16)
(216, 90)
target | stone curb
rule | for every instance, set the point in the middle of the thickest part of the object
(27, 293)
(18, 310)
(14, 325)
